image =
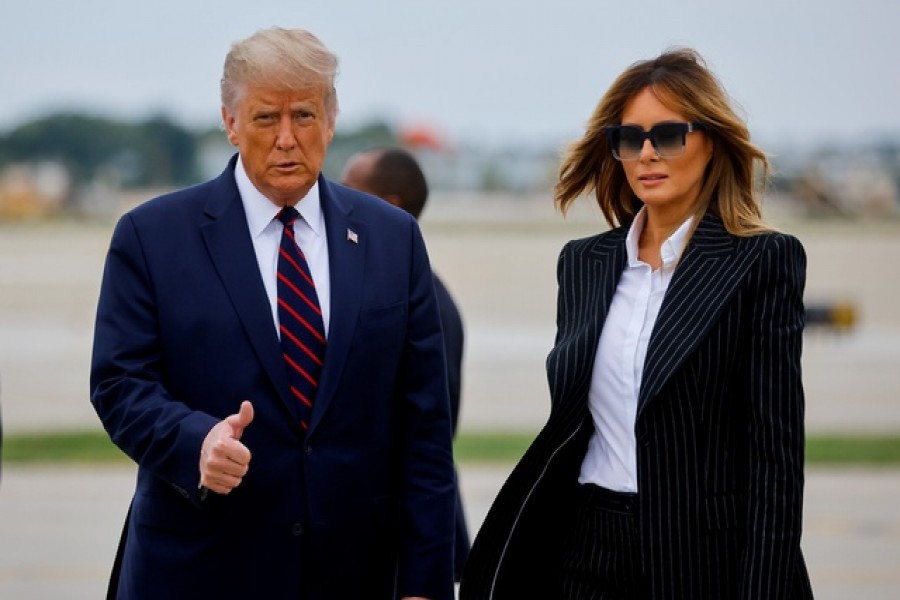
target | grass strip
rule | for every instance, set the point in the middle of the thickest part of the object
(93, 447)
(865, 450)
(875, 450)
(90, 447)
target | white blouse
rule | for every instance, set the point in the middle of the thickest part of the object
(611, 459)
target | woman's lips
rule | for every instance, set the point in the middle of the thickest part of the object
(652, 179)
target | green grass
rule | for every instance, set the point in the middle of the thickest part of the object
(61, 447)
(821, 450)
(93, 447)
(491, 446)
(837, 449)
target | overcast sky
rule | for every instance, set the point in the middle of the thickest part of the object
(803, 71)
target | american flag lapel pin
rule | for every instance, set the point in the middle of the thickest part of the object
(352, 236)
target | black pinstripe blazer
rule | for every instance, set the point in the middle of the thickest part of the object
(719, 427)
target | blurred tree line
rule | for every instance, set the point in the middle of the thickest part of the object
(155, 152)
(86, 161)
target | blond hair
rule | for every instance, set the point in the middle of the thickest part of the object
(285, 58)
(681, 81)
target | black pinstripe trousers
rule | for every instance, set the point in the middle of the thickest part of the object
(601, 558)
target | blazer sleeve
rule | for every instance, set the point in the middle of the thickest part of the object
(157, 431)
(776, 431)
(428, 497)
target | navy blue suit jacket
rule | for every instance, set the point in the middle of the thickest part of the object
(363, 504)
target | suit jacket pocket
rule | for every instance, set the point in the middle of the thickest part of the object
(161, 510)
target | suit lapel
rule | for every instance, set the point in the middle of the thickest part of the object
(609, 256)
(589, 279)
(347, 240)
(704, 281)
(230, 248)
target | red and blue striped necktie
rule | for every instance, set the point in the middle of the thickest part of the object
(300, 319)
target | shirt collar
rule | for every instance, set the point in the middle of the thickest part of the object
(674, 245)
(671, 248)
(261, 211)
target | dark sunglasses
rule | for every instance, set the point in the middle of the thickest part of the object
(668, 139)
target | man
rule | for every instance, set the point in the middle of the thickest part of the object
(394, 175)
(287, 407)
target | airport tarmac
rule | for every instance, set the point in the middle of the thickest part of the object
(59, 526)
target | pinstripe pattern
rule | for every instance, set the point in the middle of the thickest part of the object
(719, 428)
(601, 558)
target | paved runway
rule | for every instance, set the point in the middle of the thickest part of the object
(59, 529)
(59, 526)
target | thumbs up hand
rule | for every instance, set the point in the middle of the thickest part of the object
(224, 460)
(240, 421)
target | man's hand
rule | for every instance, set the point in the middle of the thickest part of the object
(224, 460)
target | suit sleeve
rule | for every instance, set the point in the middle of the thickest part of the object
(772, 553)
(158, 432)
(428, 503)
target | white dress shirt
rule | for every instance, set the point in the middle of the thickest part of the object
(265, 231)
(611, 459)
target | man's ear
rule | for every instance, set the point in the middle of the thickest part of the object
(394, 199)
(228, 122)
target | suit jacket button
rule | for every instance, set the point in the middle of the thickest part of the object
(297, 529)
(308, 450)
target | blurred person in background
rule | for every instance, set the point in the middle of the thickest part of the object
(268, 350)
(394, 175)
(671, 464)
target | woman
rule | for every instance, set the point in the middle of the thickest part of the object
(671, 465)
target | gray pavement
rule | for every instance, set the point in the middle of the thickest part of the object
(59, 526)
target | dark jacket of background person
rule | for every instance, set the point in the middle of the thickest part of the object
(452, 327)
(394, 175)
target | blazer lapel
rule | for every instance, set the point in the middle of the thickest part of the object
(347, 239)
(588, 279)
(610, 257)
(231, 251)
(704, 281)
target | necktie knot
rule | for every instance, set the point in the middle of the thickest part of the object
(288, 215)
